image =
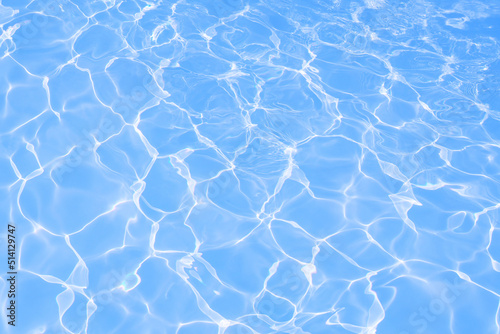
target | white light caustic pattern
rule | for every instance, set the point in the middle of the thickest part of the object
(244, 166)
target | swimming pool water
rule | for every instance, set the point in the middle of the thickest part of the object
(244, 166)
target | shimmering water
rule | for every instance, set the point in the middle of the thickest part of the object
(236, 166)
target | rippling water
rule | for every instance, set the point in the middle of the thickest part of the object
(237, 167)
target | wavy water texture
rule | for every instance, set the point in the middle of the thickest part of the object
(243, 166)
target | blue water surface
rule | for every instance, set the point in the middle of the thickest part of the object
(244, 166)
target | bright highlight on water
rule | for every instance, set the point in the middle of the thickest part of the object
(243, 166)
